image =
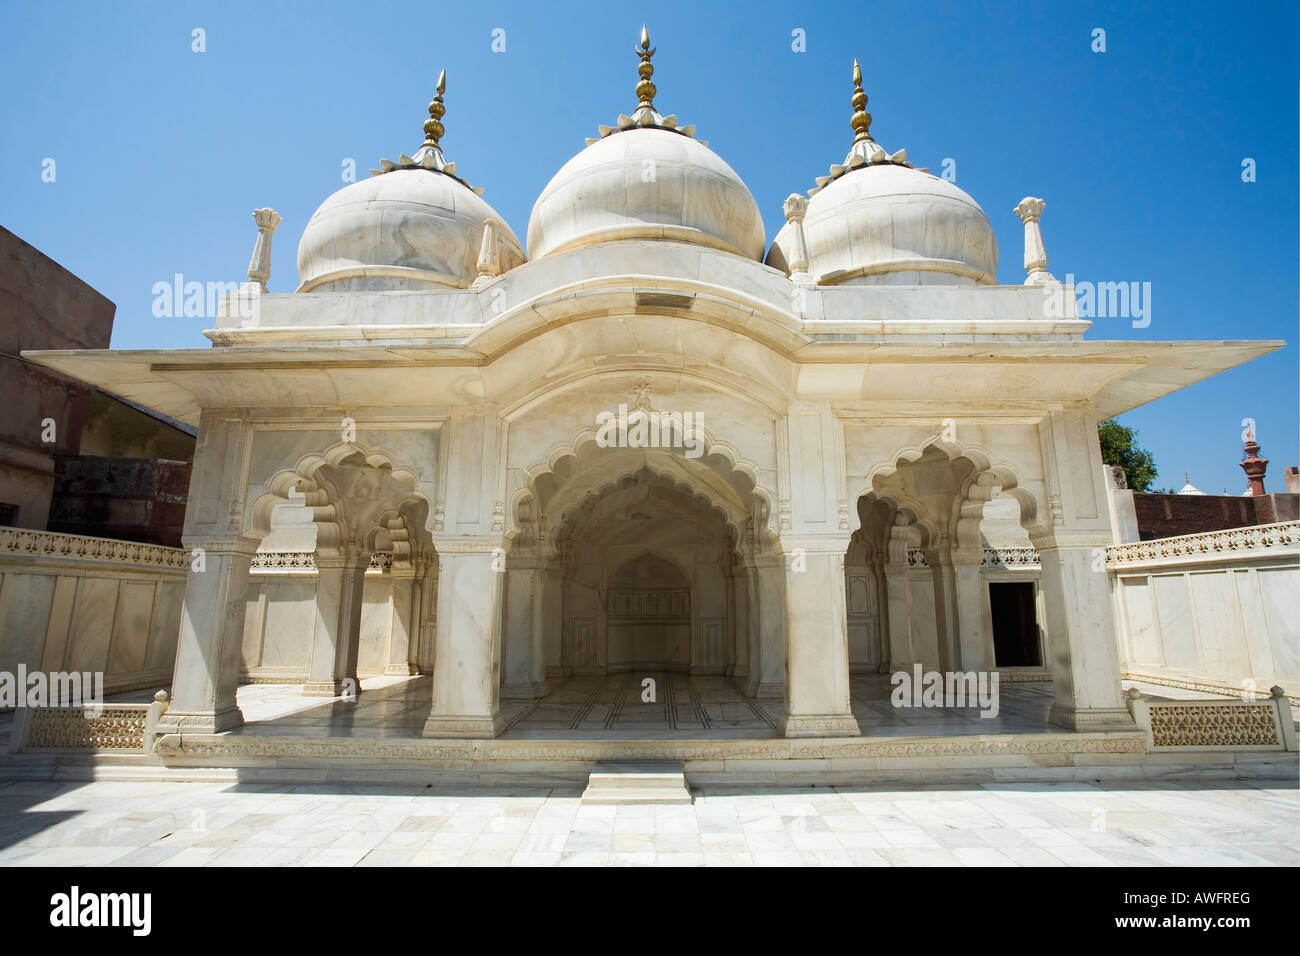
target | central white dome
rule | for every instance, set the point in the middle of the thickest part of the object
(646, 183)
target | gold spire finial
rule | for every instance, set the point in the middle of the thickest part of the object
(645, 89)
(433, 128)
(861, 121)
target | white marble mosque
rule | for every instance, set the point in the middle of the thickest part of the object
(647, 441)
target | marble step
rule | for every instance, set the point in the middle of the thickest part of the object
(650, 781)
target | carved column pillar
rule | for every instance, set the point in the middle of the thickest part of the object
(340, 579)
(415, 635)
(945, 603)
(1075, 584)
(523, 661)
(209, 644)
(553, 621)
(738, 612)
(467, 670)
(211, 637)
(902, 654)
(817, 640)
(767, 622)
(405, 621)
(1081, 630)
(973, 629)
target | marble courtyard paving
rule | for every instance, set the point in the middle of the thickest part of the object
(221, 824)
(611, 708)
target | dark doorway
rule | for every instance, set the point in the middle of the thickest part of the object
(1015, 626)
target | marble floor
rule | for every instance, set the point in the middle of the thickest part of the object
(1232, 823)
(611, 708)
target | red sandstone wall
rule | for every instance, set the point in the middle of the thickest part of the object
(135, 499)
(1165, 516)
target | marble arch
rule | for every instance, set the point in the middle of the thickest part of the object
(359, 501)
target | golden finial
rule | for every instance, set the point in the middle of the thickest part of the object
(433, 128)
(861, 121)
(645, 89)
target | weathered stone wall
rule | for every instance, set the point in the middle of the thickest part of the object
(42, 306)
(129, 498)
(1164, 516)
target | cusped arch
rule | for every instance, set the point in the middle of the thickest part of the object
(306, 484)
(1004, 473)
(568, 511)
(735, 486)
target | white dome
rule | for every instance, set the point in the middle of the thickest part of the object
(646, 183)
(404, 229)
(889, 224)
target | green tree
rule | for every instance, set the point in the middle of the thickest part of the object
(1119, 447)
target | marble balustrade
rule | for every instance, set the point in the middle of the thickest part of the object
(77, 603)
(1213, 612)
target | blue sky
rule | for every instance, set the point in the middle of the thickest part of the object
(162, 153)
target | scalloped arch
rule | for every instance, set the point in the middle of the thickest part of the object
(1005, 475)
(556, 466)
(302, 478)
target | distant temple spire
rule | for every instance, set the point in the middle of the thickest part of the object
(861, 121)
(1253, 465)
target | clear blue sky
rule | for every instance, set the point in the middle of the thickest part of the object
(162, 153)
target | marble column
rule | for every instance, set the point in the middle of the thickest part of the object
(974, 629)
(945, 605)
(768, 620)
(427, 650)
(467, 668)
(523, 657)
(738, 605)
(553, 621)
(902, 653)
(340, 578)
(878, 569)
(414, 635)
(211, 638)
(1081, 634)
(817, 640)
(1071, 539)
(405, 621)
